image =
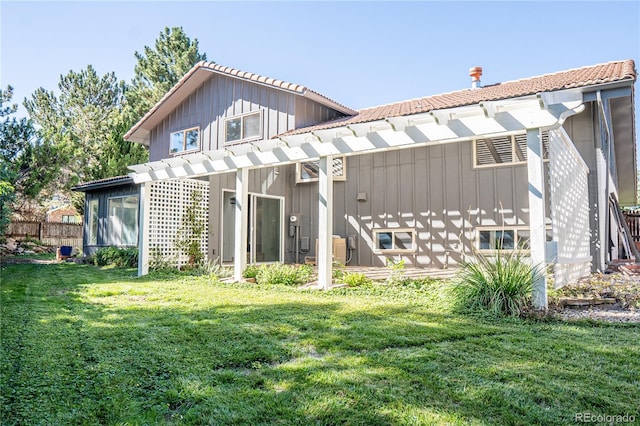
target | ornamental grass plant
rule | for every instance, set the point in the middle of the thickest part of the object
(500, 283)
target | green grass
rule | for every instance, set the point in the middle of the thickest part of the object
(85, 345)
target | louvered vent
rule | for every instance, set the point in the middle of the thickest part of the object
(506, 150)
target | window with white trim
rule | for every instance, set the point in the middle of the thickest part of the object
(394, 240)
(505, 150)
(185, 140)
(92, 222)
(308, 171)
(123, 221)
(67, 218)
(243, 127)
(489, 239)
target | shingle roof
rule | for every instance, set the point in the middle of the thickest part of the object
(574, 78)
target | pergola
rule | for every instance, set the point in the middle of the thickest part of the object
(531, 114)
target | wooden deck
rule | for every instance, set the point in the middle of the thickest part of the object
(381, 274)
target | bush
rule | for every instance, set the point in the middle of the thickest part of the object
(121, 257)
(355, 279)
(500, 284)
(251, 271)
(279, 273)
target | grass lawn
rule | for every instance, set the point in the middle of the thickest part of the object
(84, 345)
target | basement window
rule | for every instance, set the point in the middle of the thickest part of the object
(185, 140)
(508, 238)
(244, 127)
(505, 150)
(394, 240)
(308, 171)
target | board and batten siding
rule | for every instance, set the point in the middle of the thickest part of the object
(222, 97)
(434, 190)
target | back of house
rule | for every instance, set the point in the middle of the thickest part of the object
(285, 174)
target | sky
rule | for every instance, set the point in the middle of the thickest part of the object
(358, 53)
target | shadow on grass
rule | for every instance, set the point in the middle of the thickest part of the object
(95, 346)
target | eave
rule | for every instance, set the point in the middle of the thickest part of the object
(544, 110)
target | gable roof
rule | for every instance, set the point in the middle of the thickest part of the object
(570, 79)
(198, 75)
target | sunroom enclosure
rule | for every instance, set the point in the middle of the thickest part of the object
(529, 115)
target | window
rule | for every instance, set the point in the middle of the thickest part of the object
(92, 223)
(243, 127)
(505, 150)
(397, 240)
(66, 218)
(123, 221)
(505, 238)
(185, 140)
(308, 171)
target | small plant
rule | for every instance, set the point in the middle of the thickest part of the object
(157, 261)
(396, 273)
(192, 230)
(500, 284)
(214, 269)
(121, 257)
(279, 273)
(355, 279)
(251, 271)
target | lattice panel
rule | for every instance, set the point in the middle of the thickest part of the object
(168, 203)
(568, 187)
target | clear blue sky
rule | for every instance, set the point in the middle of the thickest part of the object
(359, 53)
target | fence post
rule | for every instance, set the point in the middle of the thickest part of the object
(40, 231)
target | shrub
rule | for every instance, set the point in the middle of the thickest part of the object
(121, 257)
(279, 273)
(500, 284)
(355, 279)
(251, 271)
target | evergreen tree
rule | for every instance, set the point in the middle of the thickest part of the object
(79, 121)
(160, 68)
(28, 164)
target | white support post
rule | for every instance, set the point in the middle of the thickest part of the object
(325, 221)
(537, 203)
(241, 222)
(143, 230)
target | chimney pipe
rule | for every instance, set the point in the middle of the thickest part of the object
(475, 74)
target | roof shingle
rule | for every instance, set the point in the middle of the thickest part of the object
(579, 77)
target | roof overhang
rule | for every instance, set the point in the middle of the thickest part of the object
(545, 110)
(103, 183)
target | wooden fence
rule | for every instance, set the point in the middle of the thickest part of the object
(633, 221)
(50, 233)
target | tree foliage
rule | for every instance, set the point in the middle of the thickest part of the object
(27, 163)
(160, 68)
(80, 120)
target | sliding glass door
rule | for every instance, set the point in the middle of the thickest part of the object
(265, 233)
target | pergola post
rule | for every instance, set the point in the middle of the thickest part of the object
(325, 221)
(537, 203)
(143, 230)
(241, 222)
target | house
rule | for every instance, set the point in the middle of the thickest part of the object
(283, 173)
(111, 214)
(64, 214)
